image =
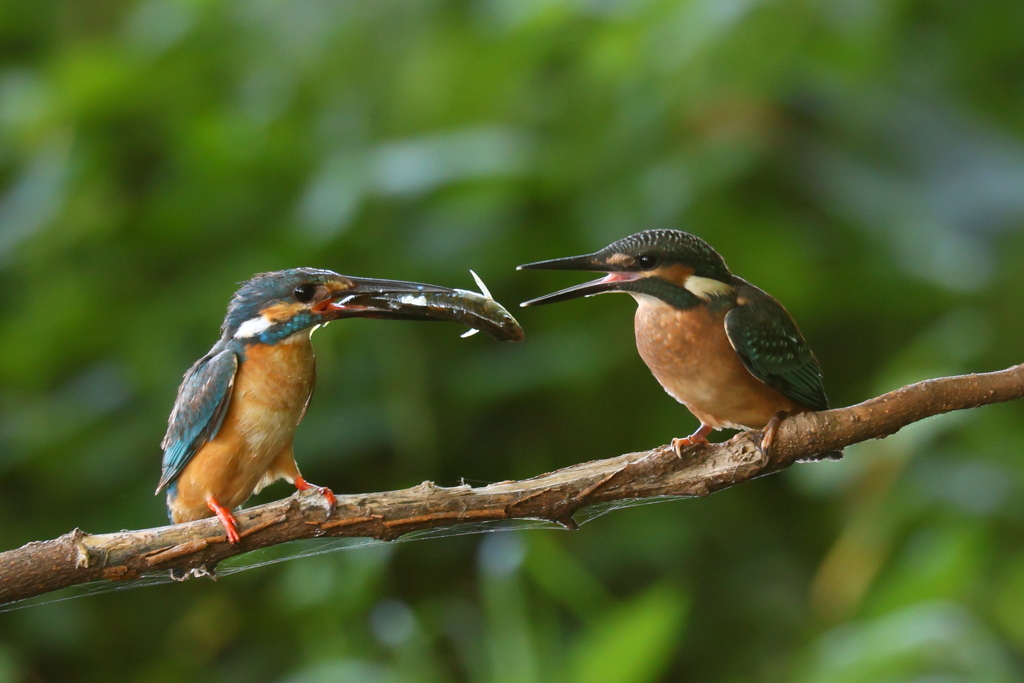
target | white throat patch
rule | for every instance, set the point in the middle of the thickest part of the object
(253, 327)
(646, 299)
(705, 287)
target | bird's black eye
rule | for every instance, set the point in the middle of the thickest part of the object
(304, 293)
(646, 261)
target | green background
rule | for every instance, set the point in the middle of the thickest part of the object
(862, 160)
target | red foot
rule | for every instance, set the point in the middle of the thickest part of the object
(328, 495)
(770, 430)
(699, 436)
(227, 520)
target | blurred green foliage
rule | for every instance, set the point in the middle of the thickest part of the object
(863, 160)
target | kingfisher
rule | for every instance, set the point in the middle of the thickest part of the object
(230, 432)
(723, 348)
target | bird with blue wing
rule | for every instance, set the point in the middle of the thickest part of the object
(725, 349)
(230, 432)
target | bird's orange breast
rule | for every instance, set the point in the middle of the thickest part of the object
(270, 392)
(689, 353)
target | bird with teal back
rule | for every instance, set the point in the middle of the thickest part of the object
(230, 432)
(723, 348)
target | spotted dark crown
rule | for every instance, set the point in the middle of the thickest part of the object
(670, 247)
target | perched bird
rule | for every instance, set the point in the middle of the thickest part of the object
(230, 433)
(717, 344)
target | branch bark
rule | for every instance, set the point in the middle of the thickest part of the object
(77, 557)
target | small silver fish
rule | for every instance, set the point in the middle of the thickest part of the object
(479, 312)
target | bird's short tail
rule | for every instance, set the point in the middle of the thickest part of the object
(827, 455)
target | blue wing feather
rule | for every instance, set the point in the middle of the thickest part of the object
(203, 400)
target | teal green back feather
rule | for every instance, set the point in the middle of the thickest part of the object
(771, 347)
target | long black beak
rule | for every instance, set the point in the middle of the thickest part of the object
(591, 262)
(585, 262)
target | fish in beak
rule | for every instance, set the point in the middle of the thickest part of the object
(397, 300)
(359, 297)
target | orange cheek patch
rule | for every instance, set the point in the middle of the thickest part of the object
(281, 311)
(676, 274)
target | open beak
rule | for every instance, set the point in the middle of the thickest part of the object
(610, 283)
(373, 298)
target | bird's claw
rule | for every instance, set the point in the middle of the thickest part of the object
(699, 436)
(679, 443)
(769, 432)
(330, 501)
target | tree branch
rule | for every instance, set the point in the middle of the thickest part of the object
(77, 557)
